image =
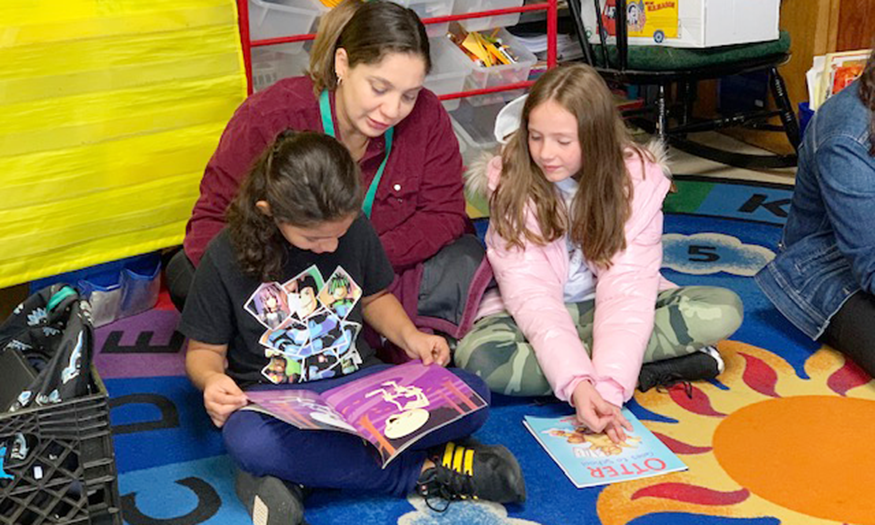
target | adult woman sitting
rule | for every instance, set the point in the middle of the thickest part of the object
(365, 86)
(823, 279)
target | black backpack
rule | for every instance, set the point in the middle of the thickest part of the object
(52, 330)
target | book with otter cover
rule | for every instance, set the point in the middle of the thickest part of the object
(590, 459)
(391, 409)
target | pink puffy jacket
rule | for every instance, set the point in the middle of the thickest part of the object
(531, 283)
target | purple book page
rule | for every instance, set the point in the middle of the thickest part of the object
(301, 408)
(394, 408)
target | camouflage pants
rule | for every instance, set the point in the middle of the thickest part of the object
(687, 319)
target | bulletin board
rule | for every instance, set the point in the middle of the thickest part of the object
(109, 111)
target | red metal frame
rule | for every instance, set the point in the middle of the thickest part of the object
(551, 6)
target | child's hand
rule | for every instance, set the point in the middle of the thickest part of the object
(429, 348)
(222, 397)
(592, 411)
(615, 429)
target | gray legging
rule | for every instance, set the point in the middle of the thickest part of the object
(687, 319)
(179, 274)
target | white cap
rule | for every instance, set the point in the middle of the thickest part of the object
(508, 119)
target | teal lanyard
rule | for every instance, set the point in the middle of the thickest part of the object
(328, 128)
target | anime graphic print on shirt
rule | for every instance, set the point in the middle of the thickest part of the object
(299, 325)
(340, 293)
(302, 291)
(307, 336)
(291, 337)
(269, 304)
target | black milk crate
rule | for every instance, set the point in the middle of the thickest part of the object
(69, 476)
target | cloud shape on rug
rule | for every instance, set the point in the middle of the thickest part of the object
(479, 512)
(709, 253)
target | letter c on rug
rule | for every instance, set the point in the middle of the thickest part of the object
(208, 503)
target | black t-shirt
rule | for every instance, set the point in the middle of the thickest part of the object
(300, 328)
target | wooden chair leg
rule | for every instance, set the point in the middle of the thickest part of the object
(787, 115)
(687, 98)
(679, 139)
(661, 113)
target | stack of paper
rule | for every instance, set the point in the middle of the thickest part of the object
(567, 47)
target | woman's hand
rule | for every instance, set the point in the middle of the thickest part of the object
(222, 397)
(385, 315)
(592, 411)
(429, 348)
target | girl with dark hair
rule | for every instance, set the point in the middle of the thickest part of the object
(297, 219)
(365, 86)
(867, 97)
(575, 241)
(823, 278)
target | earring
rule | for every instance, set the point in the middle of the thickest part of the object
(339, 80)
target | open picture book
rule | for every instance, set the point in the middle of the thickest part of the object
(391, 409)
(590, 459)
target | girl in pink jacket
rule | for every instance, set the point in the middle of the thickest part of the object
(575, 241)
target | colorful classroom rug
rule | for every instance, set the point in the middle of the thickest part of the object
(784, 436)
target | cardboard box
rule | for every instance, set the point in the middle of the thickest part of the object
(688, 23)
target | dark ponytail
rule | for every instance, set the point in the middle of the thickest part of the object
(367, 31)
(306, 178)
(867, 95)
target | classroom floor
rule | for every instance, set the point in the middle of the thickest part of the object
(684, 163)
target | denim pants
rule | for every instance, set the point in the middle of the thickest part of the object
(265, 446)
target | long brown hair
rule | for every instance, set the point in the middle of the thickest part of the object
(867, 95)
(367, 31)
(306, 178)
(601, 206)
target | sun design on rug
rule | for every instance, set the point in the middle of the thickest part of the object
(765, 444)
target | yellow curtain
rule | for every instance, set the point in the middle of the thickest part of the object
(109, 111)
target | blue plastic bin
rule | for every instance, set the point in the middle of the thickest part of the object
(805, 114)
(104, 292)
(115, 289)
(140, 283)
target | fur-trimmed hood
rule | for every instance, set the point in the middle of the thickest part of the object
(477, 174)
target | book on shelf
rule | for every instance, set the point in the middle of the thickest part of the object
(391, 409)
(590, 459)
(833, 72)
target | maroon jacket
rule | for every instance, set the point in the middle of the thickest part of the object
(419, 206)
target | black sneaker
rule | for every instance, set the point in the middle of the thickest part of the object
(474, 471)
(703, 364)
(270, 500)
